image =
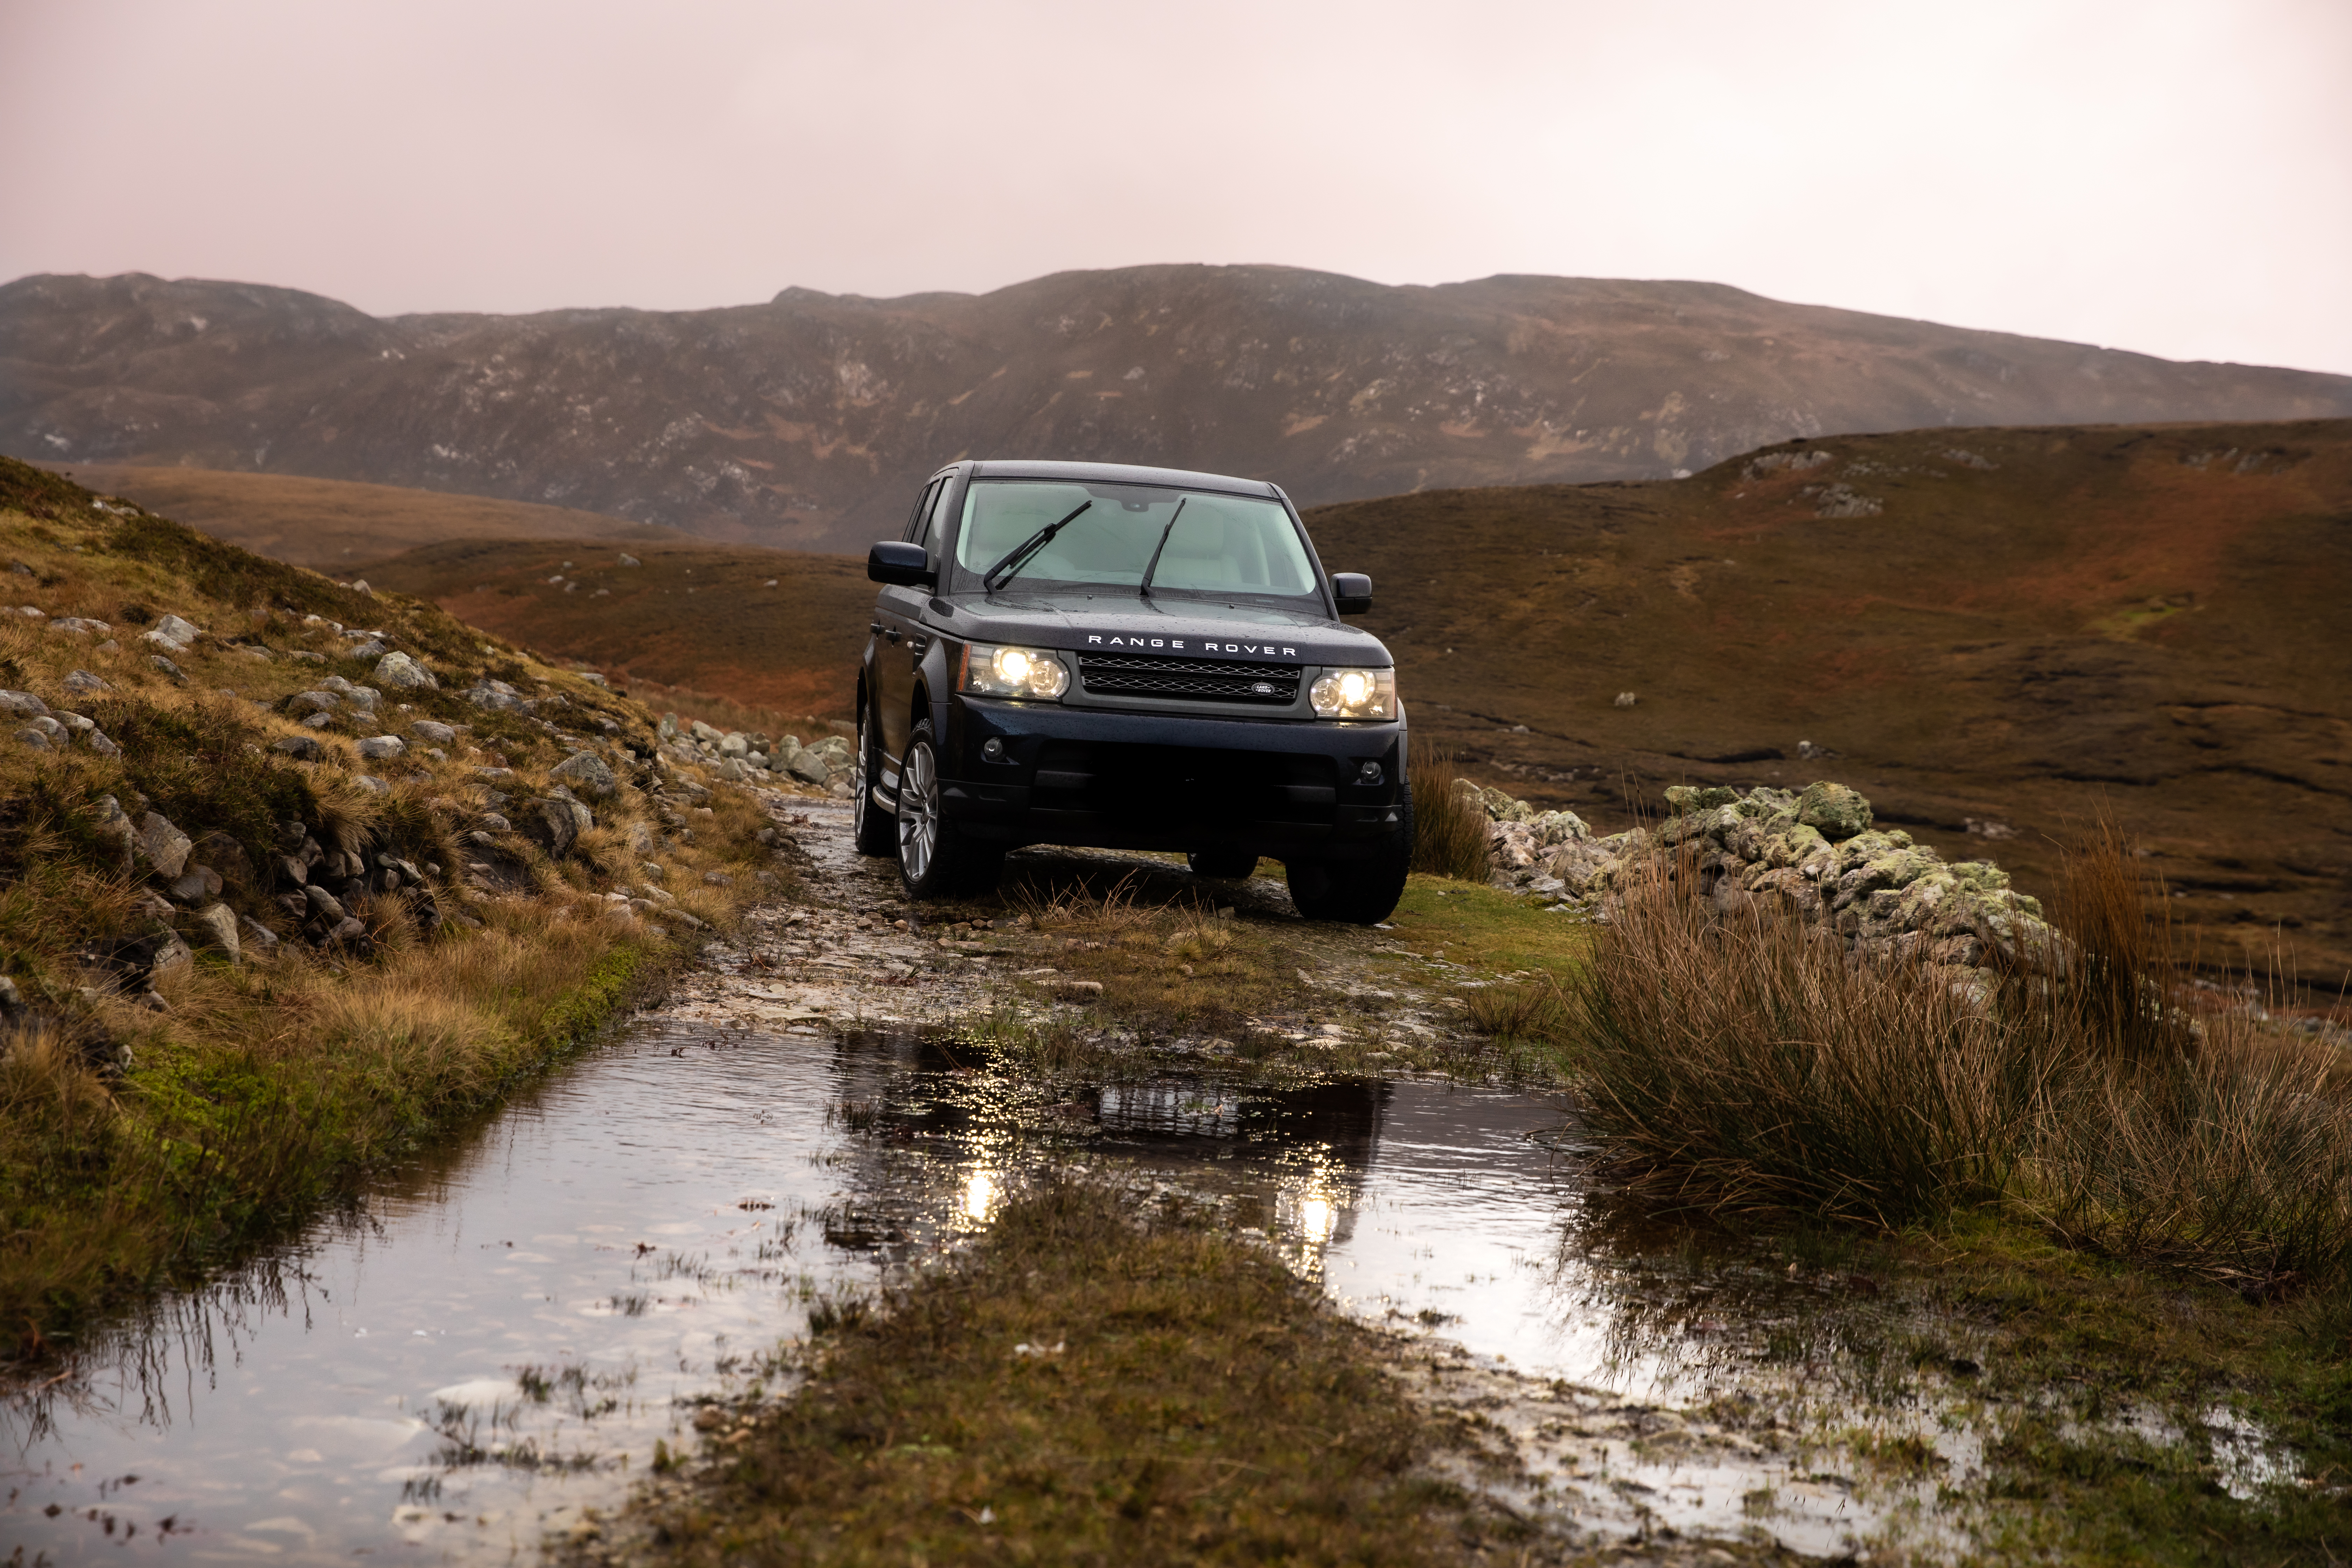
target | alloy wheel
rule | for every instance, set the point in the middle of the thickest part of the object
(918, 811)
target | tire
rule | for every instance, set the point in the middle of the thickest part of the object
(1221, 865)
(936, 860)
(874, 830)
(1356, 892)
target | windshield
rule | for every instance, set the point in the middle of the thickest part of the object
(1220, 544)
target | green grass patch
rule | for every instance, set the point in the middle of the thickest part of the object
(1185, 1399)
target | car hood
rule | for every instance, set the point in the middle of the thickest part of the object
(1176, 627)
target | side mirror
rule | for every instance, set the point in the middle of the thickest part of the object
(1354, 592)
(904, 565)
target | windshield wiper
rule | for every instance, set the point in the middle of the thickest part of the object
(1143, 590)
(1018, 556)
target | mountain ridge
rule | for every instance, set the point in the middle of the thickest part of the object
(805, 422)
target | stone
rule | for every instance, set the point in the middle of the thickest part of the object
(371, 783)
(174, 954)
(323, 904)
(301, 748)
(177, 632)
(1694, 797)
(667, 727)
(581, 814)
(215, 927)
(643, 841)
(195, 885)
(360, 586)
(1834, 810)
(113, 823)
(733, 770)
(652, 871)
(80, 626)
(318, 720)
(586, 772)
(81, 682)
(734, 743)
(23, 704)
(404, 673)
(257, 938)
(809, 768)
(351, 931)
(304, 704)
(377, 748)
(1627, 699)
(719, 878)
(549, 823)
(628, 560)
(227, 856)
(497, 696)
(433, 733)
(166, 846)
(36, 739)
(97, 740)
(168, 667)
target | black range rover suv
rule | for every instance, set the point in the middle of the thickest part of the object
(1136, 659)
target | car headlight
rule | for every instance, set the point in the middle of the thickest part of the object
(1354, 694)
(1015, 671)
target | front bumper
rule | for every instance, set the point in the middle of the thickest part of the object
(1278, 788)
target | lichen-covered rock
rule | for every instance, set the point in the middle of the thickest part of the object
(586, 772)
(1835, 811)
(549, 823)
(164, 846)
(401, 671)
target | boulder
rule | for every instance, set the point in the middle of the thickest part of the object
(734, 743)
(179, 632)
(82, 683)
(378, 748)
(433, 733)
(586, 772)
(549, 823)
(257, 938)
(23, 704)
(164, 846)
(809, 768)
(402, 672)
(324, 905)
(303, 704)
(1836, 810)
(168, 667)
(301, 748)
(215, 927)
(195, 885)
(581, 814)
(498, 697)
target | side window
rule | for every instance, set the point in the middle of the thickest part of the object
(922, 509)
(935, 529)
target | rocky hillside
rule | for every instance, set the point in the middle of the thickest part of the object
(807, 421)
(292, 874)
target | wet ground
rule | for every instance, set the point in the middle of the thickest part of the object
(490, 1350)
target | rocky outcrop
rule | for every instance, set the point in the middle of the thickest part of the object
(1813, 853)
(738, 754)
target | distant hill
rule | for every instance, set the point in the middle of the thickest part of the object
(331, 525)
(808, 422)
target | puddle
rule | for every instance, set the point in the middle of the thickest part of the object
(502, 1338)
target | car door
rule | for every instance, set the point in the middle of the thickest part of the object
(898, 611)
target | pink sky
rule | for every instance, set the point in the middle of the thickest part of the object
(2174, 178)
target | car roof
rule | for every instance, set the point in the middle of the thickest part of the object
(1119, 473)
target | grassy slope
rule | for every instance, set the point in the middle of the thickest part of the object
(271, 1084)
(2092, 618)
(692, 615)
(329, 524)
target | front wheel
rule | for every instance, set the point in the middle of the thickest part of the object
(871, 827)
(936, 860)
(1359, 892)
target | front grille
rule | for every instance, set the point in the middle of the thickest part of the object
(1188, 679)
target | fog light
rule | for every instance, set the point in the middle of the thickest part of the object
(1370, 773)
(993, 751)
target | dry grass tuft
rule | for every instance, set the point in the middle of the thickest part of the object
(1450, 834)
(1751, 1062)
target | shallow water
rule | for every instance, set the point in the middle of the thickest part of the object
(642, 1229)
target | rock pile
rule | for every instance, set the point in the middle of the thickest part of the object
(1813, 852)
(739, 755)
